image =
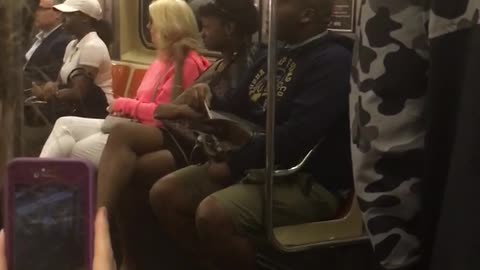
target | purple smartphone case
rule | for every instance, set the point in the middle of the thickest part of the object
(21, 171)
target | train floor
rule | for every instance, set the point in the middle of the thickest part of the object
(357, 257)
(349, 257)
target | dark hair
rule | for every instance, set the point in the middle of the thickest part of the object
(104, 31)
(242, 12)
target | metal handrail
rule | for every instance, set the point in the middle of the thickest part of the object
(270, 145)
(296, 168)
(270, 130)
(33, 103)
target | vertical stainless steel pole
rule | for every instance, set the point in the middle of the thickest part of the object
(12, 14)
(270, 141)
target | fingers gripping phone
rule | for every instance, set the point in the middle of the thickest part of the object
(48, 214)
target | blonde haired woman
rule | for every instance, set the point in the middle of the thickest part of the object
(171, 23)
(175, 35)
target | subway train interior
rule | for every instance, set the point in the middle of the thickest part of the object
(346, 239)
(334, 244)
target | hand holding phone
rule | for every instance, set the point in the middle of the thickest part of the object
(49, 214)
(3, 258)
(103, 258)
(37, 90)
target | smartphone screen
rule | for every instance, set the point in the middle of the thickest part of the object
(49, 229)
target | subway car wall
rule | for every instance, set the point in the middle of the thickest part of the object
(132, 42)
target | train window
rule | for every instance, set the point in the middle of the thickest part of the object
(144, 18)
(145, 36)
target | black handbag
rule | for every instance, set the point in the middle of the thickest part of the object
(216, 138)
(92, 105)
(218, 134)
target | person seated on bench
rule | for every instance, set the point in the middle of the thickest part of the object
(44, 58)
(84, 83)
(138, 153)
(208, 211)
(176, 37)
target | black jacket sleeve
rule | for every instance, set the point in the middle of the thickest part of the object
(321, 100)
(48, 58)
(52, 68)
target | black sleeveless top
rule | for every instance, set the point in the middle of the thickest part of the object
(224, 79)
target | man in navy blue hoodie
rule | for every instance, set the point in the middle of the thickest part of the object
(207, 210)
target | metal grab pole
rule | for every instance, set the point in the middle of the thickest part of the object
(270, 131)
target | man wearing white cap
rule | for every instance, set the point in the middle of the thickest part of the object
(91, 8)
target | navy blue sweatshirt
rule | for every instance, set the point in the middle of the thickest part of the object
(312, 104)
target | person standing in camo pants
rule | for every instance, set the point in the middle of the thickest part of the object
(394, 76)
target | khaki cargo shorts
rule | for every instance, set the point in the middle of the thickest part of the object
(296, 199)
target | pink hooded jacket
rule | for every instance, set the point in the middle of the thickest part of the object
(159, 73)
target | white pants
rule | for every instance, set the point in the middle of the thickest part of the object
(76, 137)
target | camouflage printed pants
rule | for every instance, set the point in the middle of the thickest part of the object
(389, 85)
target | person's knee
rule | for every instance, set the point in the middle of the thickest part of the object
(134, 137)
(162, 195)
(120, 132)
(90, 148)
(65, 121)
(212, 220)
